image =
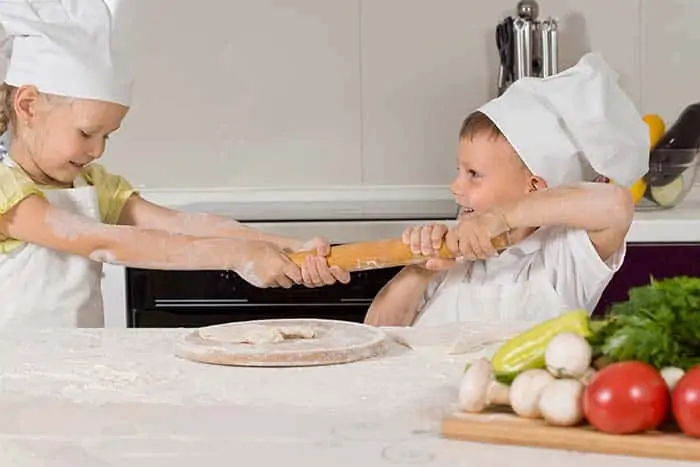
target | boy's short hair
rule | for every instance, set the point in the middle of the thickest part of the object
(478, 123)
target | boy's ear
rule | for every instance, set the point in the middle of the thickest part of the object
(537, 184)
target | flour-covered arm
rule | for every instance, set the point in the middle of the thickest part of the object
(315, 270)
(142, 213)
(603, 210)
(397, 303)
(34, 220)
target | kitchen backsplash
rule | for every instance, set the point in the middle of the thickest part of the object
(306, 93)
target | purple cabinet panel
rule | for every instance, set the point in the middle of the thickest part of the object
(643, 260)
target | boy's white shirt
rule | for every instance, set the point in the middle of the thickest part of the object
(554, 270)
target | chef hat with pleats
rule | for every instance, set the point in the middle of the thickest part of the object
(571, 126)
(73, 48)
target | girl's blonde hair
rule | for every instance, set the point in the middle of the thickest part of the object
(7, 114)
(7, 108)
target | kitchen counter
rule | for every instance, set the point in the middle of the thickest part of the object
(113, 397)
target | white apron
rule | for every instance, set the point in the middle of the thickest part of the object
(458, 299)
(41, 288)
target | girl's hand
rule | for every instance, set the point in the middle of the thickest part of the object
(263, 265)
(315, 271)
(471, 238)
(426, 240)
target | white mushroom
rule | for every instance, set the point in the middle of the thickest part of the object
(479, 388)
(526, 390)
(561, 403)
(671, 375)
(568, 355)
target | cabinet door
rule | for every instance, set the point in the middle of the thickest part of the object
(114, 295)
(644, 260)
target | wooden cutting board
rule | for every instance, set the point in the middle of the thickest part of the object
(333, 342)
(500, 427)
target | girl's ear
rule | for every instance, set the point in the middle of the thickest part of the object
(25, 104)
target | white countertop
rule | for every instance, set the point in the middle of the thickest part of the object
(105, 398)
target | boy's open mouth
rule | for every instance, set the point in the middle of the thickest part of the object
(465, 211)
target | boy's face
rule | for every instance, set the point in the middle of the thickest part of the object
(489, 174)
(64, 135)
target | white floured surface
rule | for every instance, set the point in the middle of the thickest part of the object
(120, 398)
(470, 340)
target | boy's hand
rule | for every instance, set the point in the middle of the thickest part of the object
(471, 238)
(426, 240)
(315, 271)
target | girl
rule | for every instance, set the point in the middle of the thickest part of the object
(66, 91)
(523, 159)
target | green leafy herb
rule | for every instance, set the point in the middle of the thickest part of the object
(659, 324)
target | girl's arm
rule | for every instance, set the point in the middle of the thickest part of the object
(315, 270)
(142, 213)
(34, 220)
(397, 303)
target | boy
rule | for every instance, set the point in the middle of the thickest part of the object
(523, 161)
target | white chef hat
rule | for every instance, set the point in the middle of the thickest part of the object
(73, 48)
(572, 124)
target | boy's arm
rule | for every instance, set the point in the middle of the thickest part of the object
(398, 301)
(144, 214)
(604, 210)
(34, 220)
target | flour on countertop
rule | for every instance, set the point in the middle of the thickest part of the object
(81, 367)
(118, 397)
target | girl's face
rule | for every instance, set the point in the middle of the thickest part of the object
(57, 137)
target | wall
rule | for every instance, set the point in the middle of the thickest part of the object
(251, 93)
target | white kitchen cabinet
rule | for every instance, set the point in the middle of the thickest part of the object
(114, 295)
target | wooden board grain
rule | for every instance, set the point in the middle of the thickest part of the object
(505, 428)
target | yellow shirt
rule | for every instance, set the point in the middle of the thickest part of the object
(112, 193)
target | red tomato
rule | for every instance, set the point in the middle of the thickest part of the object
(626, 397)
(686, 402)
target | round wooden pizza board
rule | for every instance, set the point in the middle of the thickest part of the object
(333, 342)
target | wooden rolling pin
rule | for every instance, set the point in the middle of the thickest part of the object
(364, 256)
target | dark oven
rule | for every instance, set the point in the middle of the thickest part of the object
(202, 298)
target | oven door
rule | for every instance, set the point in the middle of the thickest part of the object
(203, 298)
